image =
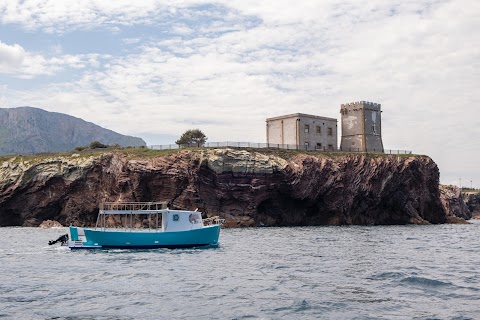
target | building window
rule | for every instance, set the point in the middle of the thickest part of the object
(330, 147)
(307, 128)
(307, 145)
(330, 131)
(319, 146)
(319, 130)
(373, 129)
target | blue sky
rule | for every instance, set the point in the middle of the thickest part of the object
(156, 68)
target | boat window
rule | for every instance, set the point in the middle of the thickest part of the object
(195, 218)
(176, 217)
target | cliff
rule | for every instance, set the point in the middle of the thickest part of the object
(472, 200)
(28, 130)
(248, 188)
(454, 204)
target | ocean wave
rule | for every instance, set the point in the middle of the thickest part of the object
(425, 282)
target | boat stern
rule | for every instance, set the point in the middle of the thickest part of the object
(78, 240)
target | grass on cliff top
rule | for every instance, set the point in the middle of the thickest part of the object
(282, 153)
(289, 154)
(146, 152)
(142, 153)
(38, 157)
(129, 152)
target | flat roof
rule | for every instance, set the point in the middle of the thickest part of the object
(297, 115)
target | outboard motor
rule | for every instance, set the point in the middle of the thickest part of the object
(62, 239)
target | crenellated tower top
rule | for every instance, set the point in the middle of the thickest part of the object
(359, 105)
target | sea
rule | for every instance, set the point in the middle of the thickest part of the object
(331, 272)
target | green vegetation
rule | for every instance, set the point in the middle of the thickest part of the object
(288, 154)
(193, 137)
(144, 153)
(130, 152)
(470, 191)
(97, 145)
(33, 158)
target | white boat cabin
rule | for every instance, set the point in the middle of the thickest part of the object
(160, 217)
(177, 220)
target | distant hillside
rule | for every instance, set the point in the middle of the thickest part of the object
(27, 130)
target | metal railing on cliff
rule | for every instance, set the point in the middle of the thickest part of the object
(256, 145)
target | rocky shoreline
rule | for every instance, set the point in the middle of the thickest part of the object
(246, 187)
(472, 199)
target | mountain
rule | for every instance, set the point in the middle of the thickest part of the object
(27, 130)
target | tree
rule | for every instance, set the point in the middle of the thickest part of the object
(190, 137)
(97, 145)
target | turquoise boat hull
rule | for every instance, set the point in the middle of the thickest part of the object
(112, 239)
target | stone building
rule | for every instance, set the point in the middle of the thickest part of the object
(361, 127)
(303, 130)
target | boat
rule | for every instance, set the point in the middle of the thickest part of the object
(146, 225)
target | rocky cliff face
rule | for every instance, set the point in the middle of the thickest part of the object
(454, 204)
(247, 188)
(472, 200)
(28, 130)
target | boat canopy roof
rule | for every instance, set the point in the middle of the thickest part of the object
(171, 220)
(137, 208)
(133, 206)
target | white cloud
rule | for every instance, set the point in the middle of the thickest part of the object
(58, 17)
(181, 29)
(255, 59)
(54, 17)
(17, 62)
(3, 99)
(131, 40)
(11, 56)
(56, 49)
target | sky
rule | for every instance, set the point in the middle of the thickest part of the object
(154, 69)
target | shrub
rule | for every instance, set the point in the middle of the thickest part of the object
(97, 145)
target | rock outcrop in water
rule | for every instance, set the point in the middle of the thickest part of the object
(47, 224)
(454, 205)
(472, 199)
(248, 188)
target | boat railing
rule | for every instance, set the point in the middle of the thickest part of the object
(213, 221)
(132, 206)
(130, 213)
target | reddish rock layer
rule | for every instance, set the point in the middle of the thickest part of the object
(473, 203)
(247, 188)
(454, 205)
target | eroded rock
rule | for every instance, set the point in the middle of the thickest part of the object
(47, 224)
(472, 200)
(246, 188)
(453, 203)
